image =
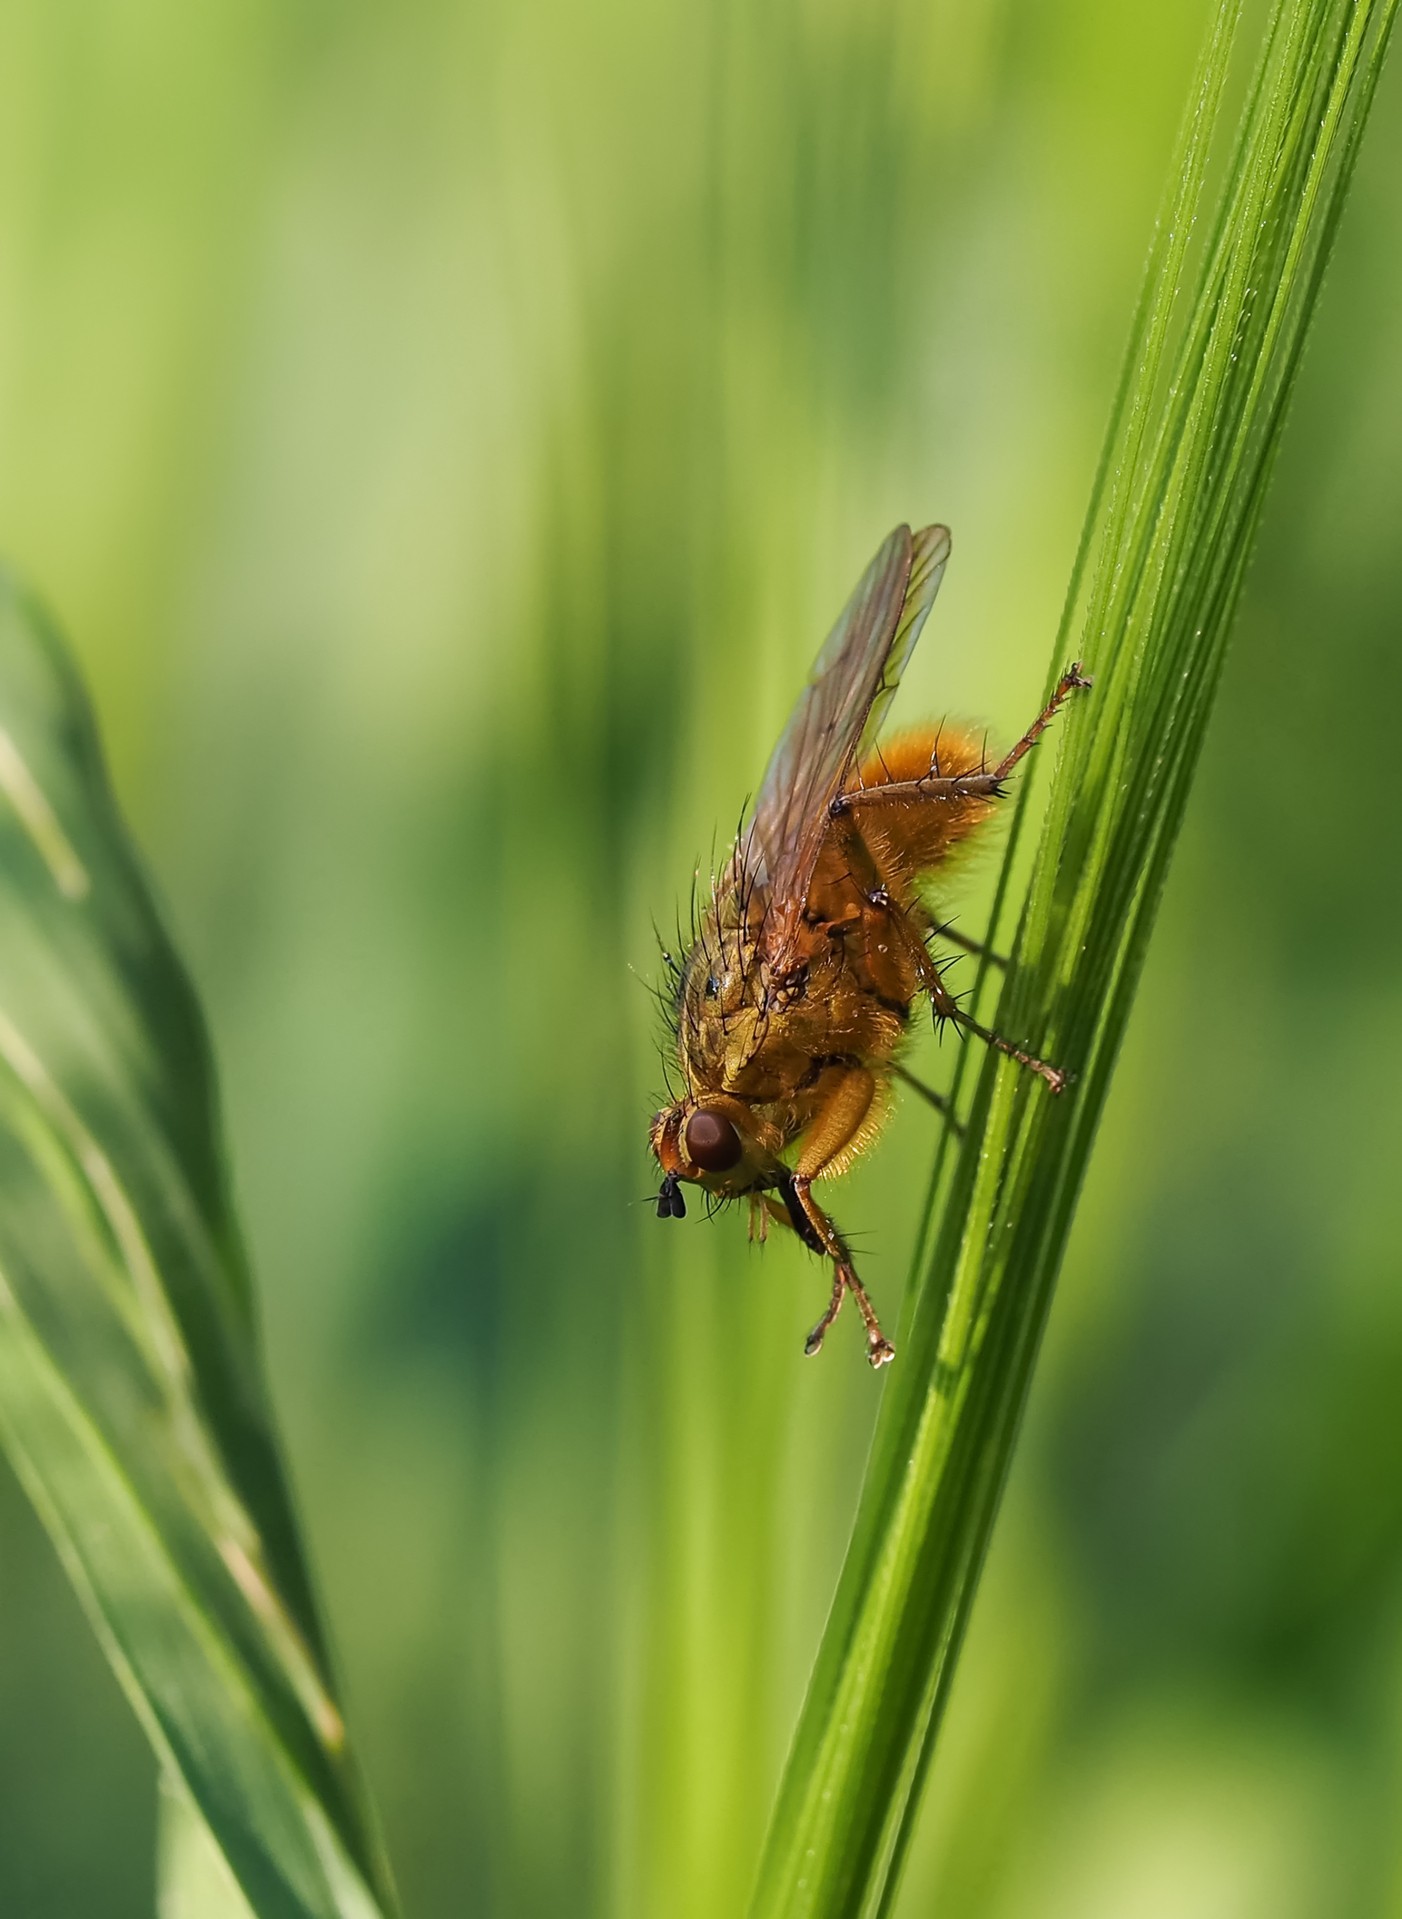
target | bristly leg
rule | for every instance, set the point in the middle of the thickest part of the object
(943, 1002)
(947, 1007)
(880, 1351)
(976, 947)
(797, 1215)
(987, 784)
(1070, 682)
(815, 1339)
(930, 1096)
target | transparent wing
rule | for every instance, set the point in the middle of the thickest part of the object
(837, 716)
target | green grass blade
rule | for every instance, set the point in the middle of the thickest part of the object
(1233, 280)
(193, 1879)
(131, 1399)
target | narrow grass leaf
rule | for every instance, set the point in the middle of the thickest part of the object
(131, 1395)
(193, 1877)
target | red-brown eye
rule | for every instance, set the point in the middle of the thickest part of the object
(712, 1143)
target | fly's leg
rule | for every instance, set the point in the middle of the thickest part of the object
(862, 861)
(836, 1125)
(987, 784)
(880, 1351)
(1071, 680)
(930, 1096)
(866, 872)
(979, 951)
(947, 1007)
(800, 1212)
(815, 1339)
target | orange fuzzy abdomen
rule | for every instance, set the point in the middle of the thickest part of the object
(913, 837)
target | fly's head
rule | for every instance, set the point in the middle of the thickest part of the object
(714, 1141)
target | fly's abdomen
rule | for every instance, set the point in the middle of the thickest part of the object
(913, 837)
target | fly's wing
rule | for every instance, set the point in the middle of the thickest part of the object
(837, 716)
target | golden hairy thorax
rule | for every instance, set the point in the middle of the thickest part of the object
(847, 1003)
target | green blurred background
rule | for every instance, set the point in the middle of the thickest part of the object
(445, 431)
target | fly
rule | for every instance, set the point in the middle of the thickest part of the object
(795, 998)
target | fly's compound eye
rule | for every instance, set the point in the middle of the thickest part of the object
(712, 1143)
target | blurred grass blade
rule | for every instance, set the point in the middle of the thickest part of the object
(131, 1399)
(193, 1878)
(1233, 280)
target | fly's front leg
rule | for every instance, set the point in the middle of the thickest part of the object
(817, 1227)
(793, 1212)
(838, 1122)
(836, 1126)
(987, 784)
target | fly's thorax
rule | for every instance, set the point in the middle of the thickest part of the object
(747, 1031)
(720, 1004)
(833, 1007)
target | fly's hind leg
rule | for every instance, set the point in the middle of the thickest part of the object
(986, 784)
(1072, 680)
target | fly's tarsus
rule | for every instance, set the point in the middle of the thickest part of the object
(880, 1351)
(814, 1342)
(1071, 681)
